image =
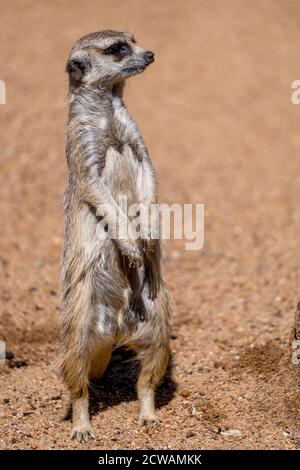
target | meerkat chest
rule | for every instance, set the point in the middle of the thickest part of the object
(123, 173)
(127, 131)
(124, 170)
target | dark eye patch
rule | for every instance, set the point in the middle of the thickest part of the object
(119, 49)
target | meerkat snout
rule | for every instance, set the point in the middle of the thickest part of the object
(149, 57)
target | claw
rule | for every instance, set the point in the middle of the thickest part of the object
(83, 433)
(149, 420)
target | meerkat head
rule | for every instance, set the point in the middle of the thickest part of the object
(106, 58)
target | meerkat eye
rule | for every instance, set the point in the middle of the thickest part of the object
(119, 49)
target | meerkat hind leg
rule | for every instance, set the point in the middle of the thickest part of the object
(153, 366)
(82, 428)
(100, 360)
(75, 369)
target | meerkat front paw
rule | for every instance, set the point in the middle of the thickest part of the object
(135, 261)
(148, 418)
(148, 245)
(83, 432)
(149, 236)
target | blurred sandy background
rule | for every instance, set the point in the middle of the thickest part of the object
(215, 110)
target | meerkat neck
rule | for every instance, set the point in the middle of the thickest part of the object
(95, 99)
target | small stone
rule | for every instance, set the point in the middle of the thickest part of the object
(184, 393)
(31, 404)
(231, 433)
(34, 446)
(6, 400)
(290, 432)
(56, 397)
(190, 434)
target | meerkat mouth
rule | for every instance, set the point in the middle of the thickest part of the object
(139, 68)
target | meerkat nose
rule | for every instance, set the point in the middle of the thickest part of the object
(149, 56)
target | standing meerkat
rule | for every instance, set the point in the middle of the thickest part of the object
(112, 289)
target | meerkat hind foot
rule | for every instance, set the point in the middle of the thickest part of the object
(83, 432)
(149, 418)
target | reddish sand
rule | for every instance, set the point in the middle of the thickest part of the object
(215, 110)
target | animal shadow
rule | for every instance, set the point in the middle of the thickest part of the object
(119, 383)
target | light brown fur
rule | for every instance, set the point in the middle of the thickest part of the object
(112, 289)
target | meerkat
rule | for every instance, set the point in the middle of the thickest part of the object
(113, 292)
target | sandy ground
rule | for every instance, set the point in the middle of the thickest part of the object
(216, 113)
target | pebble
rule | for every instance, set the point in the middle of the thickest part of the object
(293, 433)
(190, 434)
(32, 405)
(56, 397)
(231, 433)
(184, 393)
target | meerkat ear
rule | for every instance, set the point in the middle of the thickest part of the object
(76, 68)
